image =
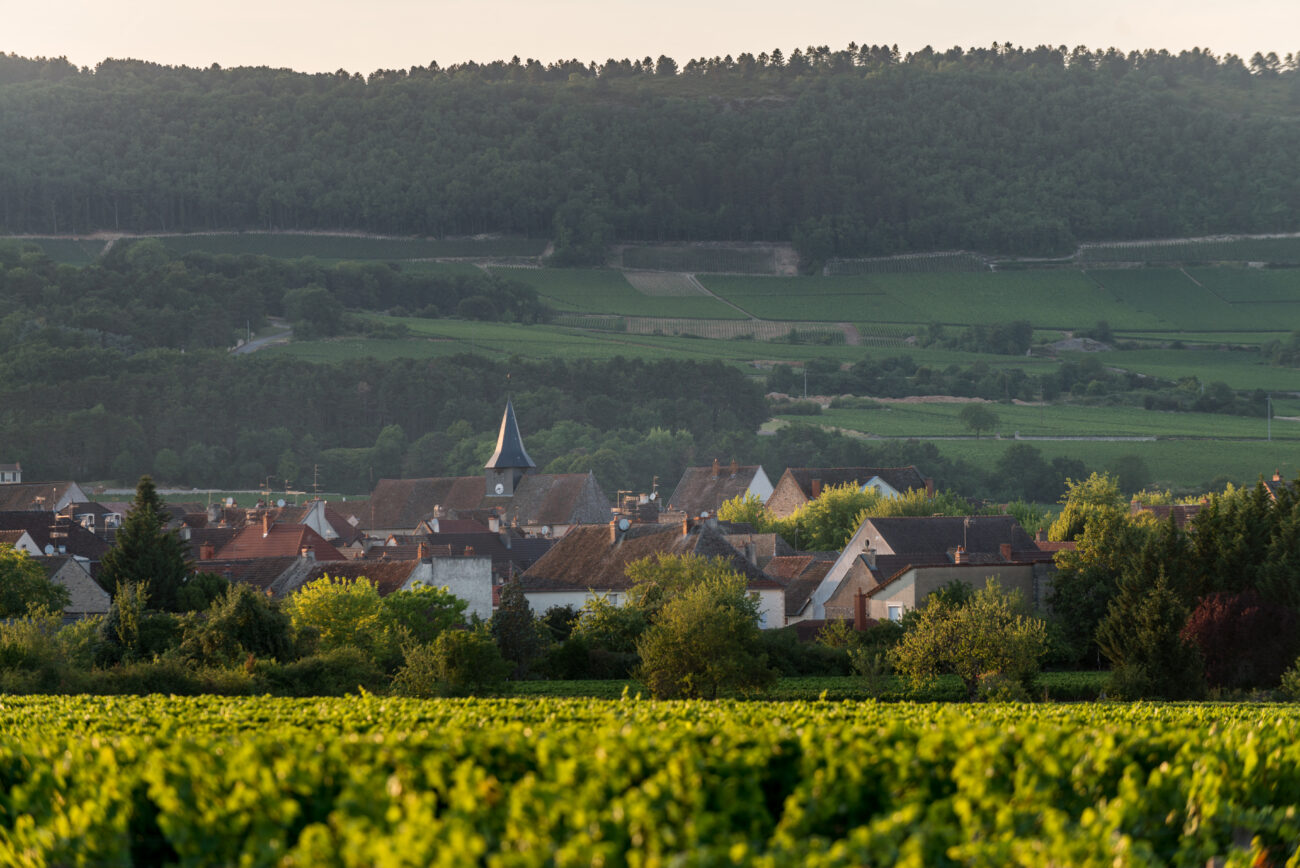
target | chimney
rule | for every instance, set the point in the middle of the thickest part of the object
(717, 468)
(266, 525)
(1005, 548)
(308, 553)
(469, 551)
(207, 551)
(929, 486)
(1041, 536)
(1277, 475)
(751, 553)
(424, 551)
(613, 531)
(869, 553)
(959, 556)
(686, 525)
(860, 610)
(494, 523)
(434, 525)
(816, 488)
(735, 468)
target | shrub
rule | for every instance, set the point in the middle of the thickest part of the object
(1142, 637)
(467, 663)
(987, 635)
(1244, 642)
(241, 622)
(1291, 682)
(342, 613)
(332, 673)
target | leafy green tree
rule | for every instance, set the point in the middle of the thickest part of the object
(240, 623)
(458, 663)
(705, 640)
(145, 552)
(341, 613)
(24, 585)
(1098, 494)
(828, 521)
(517, 631)
(1142, 636)
(977, 418)
(747, 509)
(989, 635)
(422, 613)
(610, 627)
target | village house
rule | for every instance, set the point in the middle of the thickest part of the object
(467, 577)
(798, 485)
(538, 504)
(702, 490)
(48, 497)
(592, 561)
(10, 473)
(883, 548)
(85, 596)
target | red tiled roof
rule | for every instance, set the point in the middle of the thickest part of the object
(261, 573)
(284, 540)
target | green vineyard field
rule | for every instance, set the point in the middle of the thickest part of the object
(382, 782)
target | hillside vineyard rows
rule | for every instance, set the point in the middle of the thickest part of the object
(383, 782)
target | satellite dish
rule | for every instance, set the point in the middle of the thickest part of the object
(546, 530)
(280, 503)
(654, 495)
(230, 501)
(49, 549)
(704, 514)
(624, 524)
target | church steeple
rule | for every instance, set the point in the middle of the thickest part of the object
(510, 461)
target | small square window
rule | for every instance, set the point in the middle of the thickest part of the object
(895, 612)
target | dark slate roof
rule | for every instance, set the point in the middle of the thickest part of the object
(901, 478)
(218, 536)
(934, 537)
(983, 567)
(11, 537)
(539, 498)
(802, 574)
(388, 576)
(23, 496)
(704, 489)
(510, 450)
(766, 545)
(45, 529)
(587, 559)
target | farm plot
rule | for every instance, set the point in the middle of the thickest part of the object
(1175, 298)
(1279, 250)
(942, 419)
(1240, 369)
(701, 258)
(606, 290)
(928, 263)
(817, 299)
(287, 245)
(731, 330)
(1187, 465)
(664, 283)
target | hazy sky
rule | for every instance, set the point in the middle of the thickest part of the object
(365, 35)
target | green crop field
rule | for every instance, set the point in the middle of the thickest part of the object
(1240, 369)
(697, 258)
(1240, 286)
(1279, 250)
(69, 251)
(941, 419)
(920, 262)
(287, 245)
(605, 290)
(1178, 300)
(365, 781)
(1051, 299)
(440, 268)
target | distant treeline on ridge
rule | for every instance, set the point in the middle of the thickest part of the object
(849, 152)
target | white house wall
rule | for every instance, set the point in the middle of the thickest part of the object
(761, 487)
(469, 578)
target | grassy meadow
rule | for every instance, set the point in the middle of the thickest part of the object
(287, 245)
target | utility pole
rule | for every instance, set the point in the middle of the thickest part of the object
(1269, 413)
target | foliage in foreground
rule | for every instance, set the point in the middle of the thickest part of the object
(532, 782)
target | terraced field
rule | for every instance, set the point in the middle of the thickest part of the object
(606, 290)
(294, 245)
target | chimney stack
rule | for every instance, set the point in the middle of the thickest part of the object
(494, 523)
(735, 468)
(816, 488)
(1005, 548)
(751, 553)
(717, 468)
(308, 552)
(613, 531)
(424, 552)
(1041, 536)
(686, 525)
(207, 551)
(929, 486)
(860, 610)
(959, 556)
(469, 551)
(266, 525)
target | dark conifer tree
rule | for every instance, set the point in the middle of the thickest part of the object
(145, 551)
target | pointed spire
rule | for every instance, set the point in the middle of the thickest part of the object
(510, 446)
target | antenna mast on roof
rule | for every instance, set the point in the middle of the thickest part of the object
(315, 481)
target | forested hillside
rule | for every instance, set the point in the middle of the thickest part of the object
(857, 151)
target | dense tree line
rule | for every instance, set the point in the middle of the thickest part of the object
(852, 151)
